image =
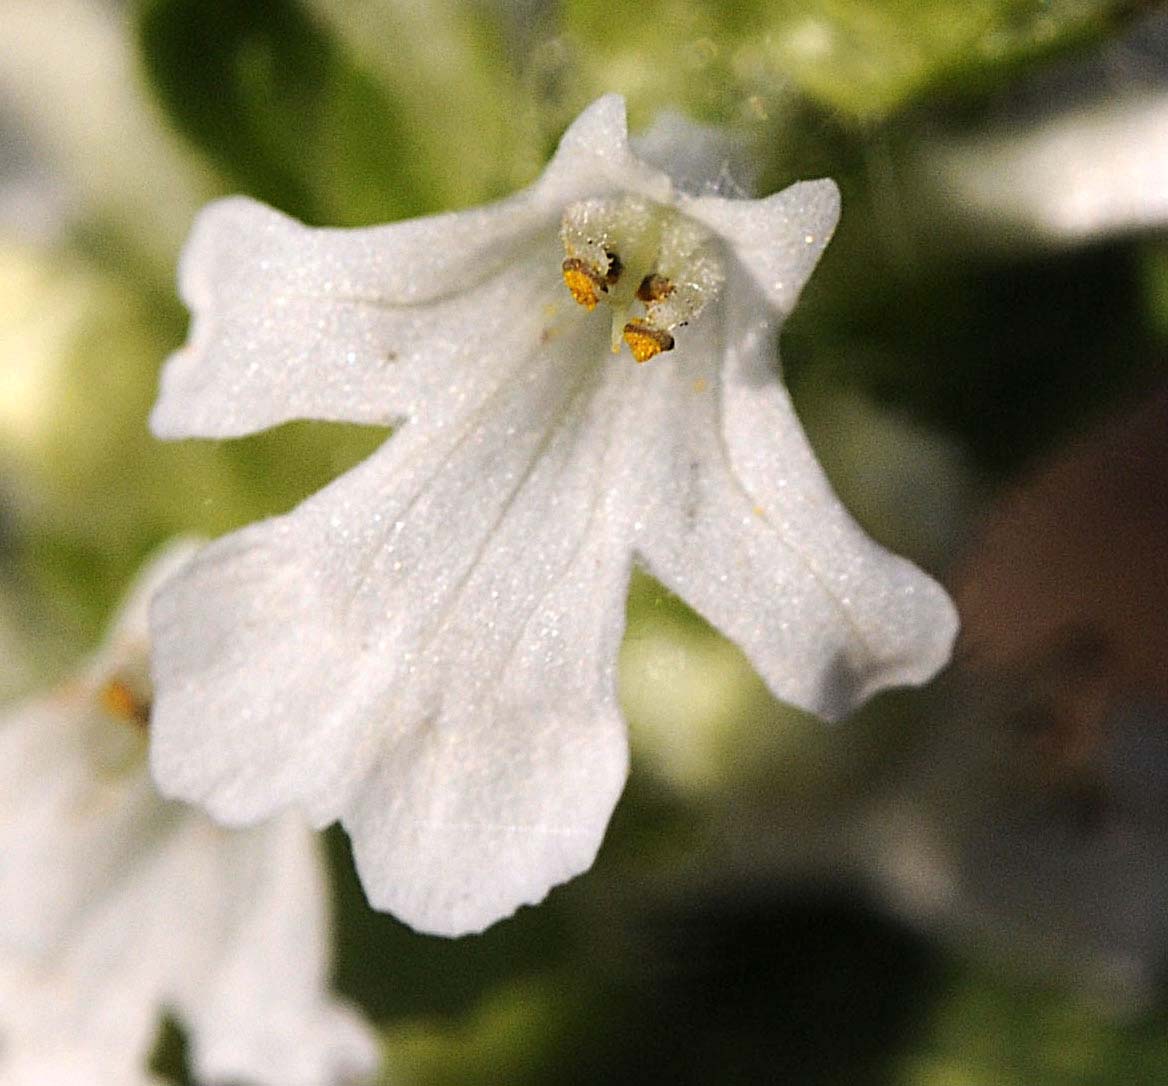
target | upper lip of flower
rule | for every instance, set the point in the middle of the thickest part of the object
(426, 648)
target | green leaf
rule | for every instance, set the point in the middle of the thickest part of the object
(448, 74)
(276, 103)
(246, 82)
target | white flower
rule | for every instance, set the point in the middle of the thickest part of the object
(116, 905)
(425, 649)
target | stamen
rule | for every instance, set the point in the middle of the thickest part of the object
(645, 341)
(120, 702)
(667, 272)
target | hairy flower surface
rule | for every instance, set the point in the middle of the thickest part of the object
(426, 648)
(117, 905)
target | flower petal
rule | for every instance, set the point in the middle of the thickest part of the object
(779, 239)
(291, 322)
(506, 790)
(750, 533)
(115, 904)
(96, 995)
(259, 1013)
(367, 325)
(66, 829)
(595, 158)
(69, 1061)
(127, 642)
(245, 636)
(700, 159)
(75, 806)
(449, 611)
(228, 929)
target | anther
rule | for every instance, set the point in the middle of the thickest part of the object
(654, 288)
(645, 341)
(119, 701)
(582, 281)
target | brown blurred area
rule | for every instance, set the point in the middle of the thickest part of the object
(1066, 582)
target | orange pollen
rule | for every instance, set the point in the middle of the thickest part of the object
(585, 284)
(120, 702)
(645, 341)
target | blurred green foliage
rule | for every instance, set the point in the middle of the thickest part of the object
(995, 1029)
(249, 83)
(273, 93)
(862, 59)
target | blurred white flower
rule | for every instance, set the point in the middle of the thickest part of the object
(70, 94)
(116, 905)
(1094, 171)
(1075, 151)
(426, 649)
(33, 201)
